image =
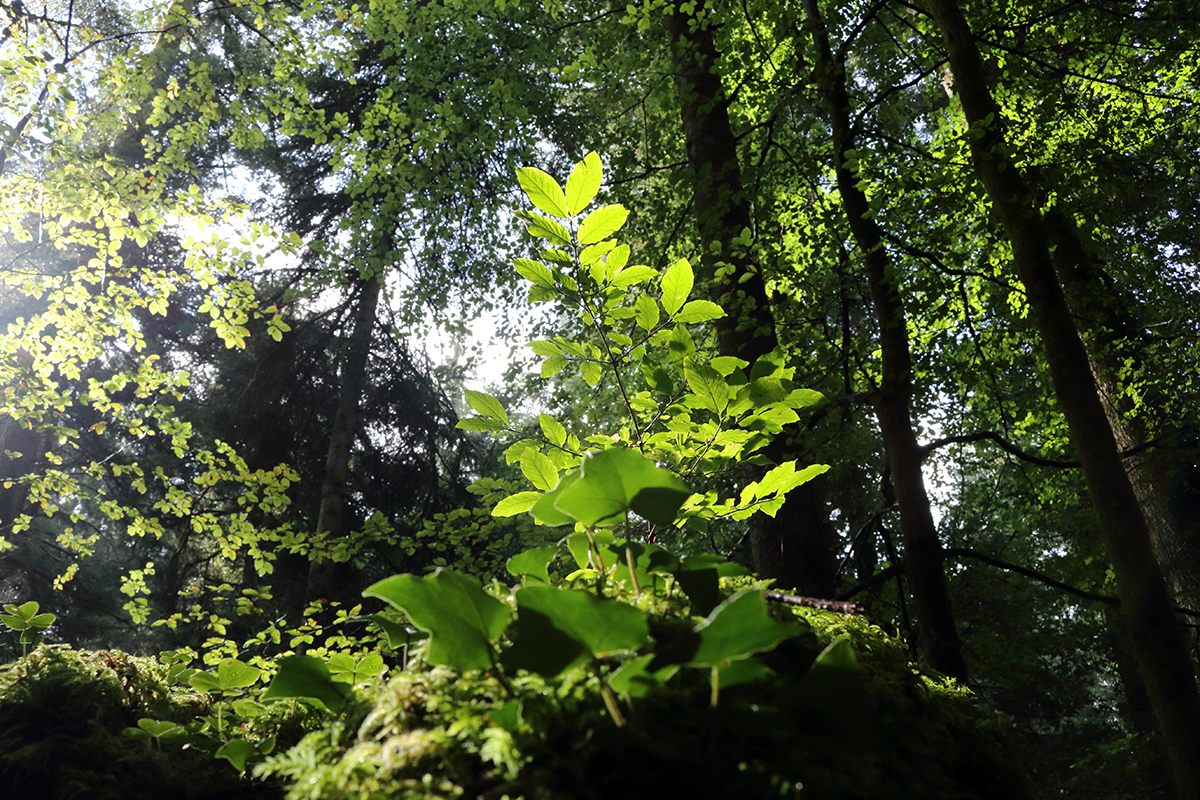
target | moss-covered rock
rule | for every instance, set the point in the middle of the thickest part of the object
(882, 730)
(62, 713)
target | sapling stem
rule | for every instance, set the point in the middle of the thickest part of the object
(632, 569)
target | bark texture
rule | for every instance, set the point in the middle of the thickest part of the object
(796, 546)
(1162, 657)
(923, 557)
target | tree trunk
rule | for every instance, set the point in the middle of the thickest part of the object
(326, 576)
(1162, 658)
(923, 557)
(1112, 334)
(795, 546)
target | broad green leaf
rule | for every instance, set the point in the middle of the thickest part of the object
(635, 680)
(803, 398)
(534, 271)
(554, 365)
(397, 635)
(546, 228)
(543, 191)
(602, 223)
(237, 752)
(632, 275)
(646, 311)
(539, 469)
(676, 284)
(544, 510)
(592, 254)
(553, 429)
(544, 348)
(838, 655)
(707, 384)
(235, 674)
(310, 678)
(583, 184)
(580, 548)
(591, 372)
(534, 563)
(739, 628)
(480, 424)
(487, 405)
(615, 481)
(461, 618)
(699, 311)
(616, 260)
(515, 504)
(159, 728)
(556, 627)
(726, 365)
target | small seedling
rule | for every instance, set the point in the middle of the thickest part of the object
(26, 619)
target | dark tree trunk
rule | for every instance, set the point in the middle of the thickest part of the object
(923, 557)
(795, 546)
(1162, 657)
(1112, 334)
(326, 577)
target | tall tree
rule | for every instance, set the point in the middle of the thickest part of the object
(1165, 665)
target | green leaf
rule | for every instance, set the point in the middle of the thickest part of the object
(838, 655)
(583, 184)
(535, 271)
(539, 469)
(237, 752)
(591, 372)
(157, 729)
(646, 311)
(546, 228)
(676, 285)
(556, 627)
(515, 504)
(699, 311)
(480, 424)
(554, 365)
(602, 223)
(235, 674)
(632, 275)
(544, 510)
(487, 405)
(534, 563)
(543, 191)
(580, 548)
(462, 620)
(636, 681)
(309, 678)
(615, 481)
(553, 429)
(707, 384)
(739, 628)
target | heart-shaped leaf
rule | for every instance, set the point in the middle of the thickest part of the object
(461, 618)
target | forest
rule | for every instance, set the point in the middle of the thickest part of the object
(578, 399)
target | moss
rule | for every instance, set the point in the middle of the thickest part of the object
(888, 731)
(61, 716)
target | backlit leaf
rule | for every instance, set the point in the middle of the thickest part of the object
(543, 191)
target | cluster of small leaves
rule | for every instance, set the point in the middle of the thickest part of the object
(698, 416)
